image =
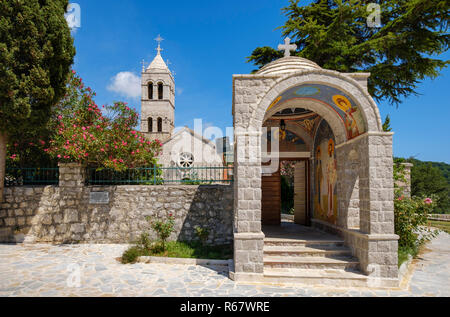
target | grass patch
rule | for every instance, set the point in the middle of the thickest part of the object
(176, 249)
(441, 225)
(403, 253)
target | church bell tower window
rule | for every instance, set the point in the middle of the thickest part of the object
(150, 124)
(150, 90)
(160, 91)
(159, 125)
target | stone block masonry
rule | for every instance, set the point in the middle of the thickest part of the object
(66, 214)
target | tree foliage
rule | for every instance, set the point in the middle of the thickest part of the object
(411, 215)
(387, 124)
(398, 54)
(427, 178)
(36, 53)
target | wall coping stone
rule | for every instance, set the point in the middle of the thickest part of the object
(181, 261)
(152, 187)
(70, 164)
(249, 236)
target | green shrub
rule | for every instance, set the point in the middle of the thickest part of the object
(411, 218)
(163, 229)
(144, 242)
(131, 255)
(202, 234)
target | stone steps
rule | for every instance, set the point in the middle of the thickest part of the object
(315, 277)
(301, 242)
(310, 260)
(303, 251)
(314, 262)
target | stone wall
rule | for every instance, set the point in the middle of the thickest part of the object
(67, 214)
(405, 185)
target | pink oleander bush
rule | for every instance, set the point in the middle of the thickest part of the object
(106, 137)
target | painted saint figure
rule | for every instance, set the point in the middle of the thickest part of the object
(319, 174)
(331, 178)
(350, 123)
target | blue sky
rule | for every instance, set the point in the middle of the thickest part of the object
(207, 42)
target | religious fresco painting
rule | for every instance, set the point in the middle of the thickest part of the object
(309, 124)
(337, 100)
(288, 140)
(325, 175)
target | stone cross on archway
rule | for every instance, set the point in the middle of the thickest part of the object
(287, 47)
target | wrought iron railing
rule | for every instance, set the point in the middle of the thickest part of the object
(201, 175)
(31, 176)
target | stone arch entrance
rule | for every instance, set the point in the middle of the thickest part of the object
(357, 155)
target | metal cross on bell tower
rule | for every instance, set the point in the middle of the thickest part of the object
(159, 39)
(287, 47)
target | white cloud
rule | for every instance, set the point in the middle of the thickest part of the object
(126, 84)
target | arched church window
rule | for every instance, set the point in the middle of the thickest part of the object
(150, 90)
(150, 124)
(159, 125)
(160, 91)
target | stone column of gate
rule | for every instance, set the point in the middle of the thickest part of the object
(248, 237)
(379, 244)
(71, 188)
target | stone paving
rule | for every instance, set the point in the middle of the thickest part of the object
(93, 270)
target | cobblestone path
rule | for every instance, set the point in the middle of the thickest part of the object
(93, 270)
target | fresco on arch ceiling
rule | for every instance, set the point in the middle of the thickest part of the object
(338, 101)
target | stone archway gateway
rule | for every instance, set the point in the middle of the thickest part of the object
(349, 157)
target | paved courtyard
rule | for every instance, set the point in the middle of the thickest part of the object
(93, 270)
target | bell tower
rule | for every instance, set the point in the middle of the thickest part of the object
(158, 98)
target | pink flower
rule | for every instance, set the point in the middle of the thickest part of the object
(59, 156)
(428, 201)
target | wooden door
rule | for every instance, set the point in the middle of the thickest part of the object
(271, 199)
(300, 205)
